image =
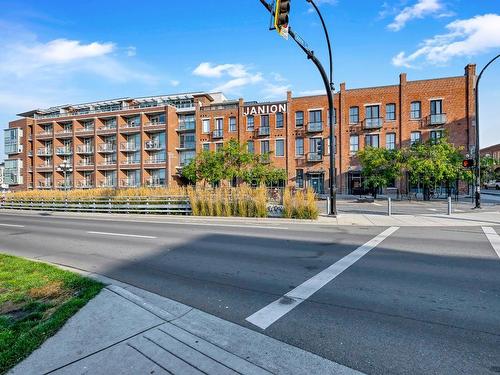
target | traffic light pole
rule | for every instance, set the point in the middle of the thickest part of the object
(329, 93)
(478, 151)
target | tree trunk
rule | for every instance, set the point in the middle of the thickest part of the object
(427, 193)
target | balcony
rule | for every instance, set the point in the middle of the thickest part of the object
(83, 131)
(129, 147)
(45, 134)
(373, 123)
(154, 126)
(131, 127)
(187, 146)
(86, 163)
(314, 127)
(217, 134)
(107, 129)
(107, 148)
(107, 164)
(262, 131)
(155, 182)
(314, 157)
(131, 163)
(84, 184)
(155, 160)
(186, 126)
(108, 183)
(45, 167)
(129, 182)
(65, 185)
(44, 184)
(64, 151)
(45, 152)
(66, 133)
(85, 149)
(436, 119)
(153, 146)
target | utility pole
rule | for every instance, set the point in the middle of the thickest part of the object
(280, 14)
(478, 153)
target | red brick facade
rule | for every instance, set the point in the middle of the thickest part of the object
(154, 137)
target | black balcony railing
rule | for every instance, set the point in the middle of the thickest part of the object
(373, 123)
(314, 156)
(263, 131)
(313, 127)
(218, 133)
(437, 119)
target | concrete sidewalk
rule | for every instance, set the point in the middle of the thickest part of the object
(126, 330)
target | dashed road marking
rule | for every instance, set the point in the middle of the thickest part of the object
(494, 238)
(12, 225)
(121, 234)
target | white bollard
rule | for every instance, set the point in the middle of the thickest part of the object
(328, 206)
(449, 205)
(389, 206)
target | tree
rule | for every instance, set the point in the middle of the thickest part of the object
(232, 161)
(379, 167)
(432, 163)
(488, 165)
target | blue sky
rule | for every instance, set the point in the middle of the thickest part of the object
(59, 52)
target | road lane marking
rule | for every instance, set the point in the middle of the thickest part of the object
(494, 238)
(12, 225)
(432, 209)
(121, 234)
(275, 310)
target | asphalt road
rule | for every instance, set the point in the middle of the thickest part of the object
(422, 301)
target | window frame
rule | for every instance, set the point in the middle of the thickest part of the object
(351, 115)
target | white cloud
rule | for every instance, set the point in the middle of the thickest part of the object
(274, 91)
(206, 69)
(175, 82)
(237, 83)
(322, 2)
(420, 9)
(131, 51)
(312, 92)
(467, 37)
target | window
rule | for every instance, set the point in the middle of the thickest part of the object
(218, 124)
(299, 118)
(250, 123)
(232, 124)
(390, 141)
(205, 125)
(205, 146)
(264, 121)
(315, 117)
(327, 143)
(264, 147)
(279, 120)
(299, 147)
(250, 147)
(187, 141)
(280, 147)
(353, 144)
(372, 111)
(316, 146)
(436, 135)
(12, 140)
(415, 138)
(415, 110)
(353, 115)
(299, 178)
(371, 140)
(436, 107)
(390, 112)
(218, 146)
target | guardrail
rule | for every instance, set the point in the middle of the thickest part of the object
(172, 205)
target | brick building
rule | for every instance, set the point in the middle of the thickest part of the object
(130, 142)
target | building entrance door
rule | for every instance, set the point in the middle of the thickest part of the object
(316, 182)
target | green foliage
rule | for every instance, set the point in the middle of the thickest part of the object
(488, 165)
(232, 161)
(379, 166)
(434, 162)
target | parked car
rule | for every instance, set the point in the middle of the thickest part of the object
(493, 184)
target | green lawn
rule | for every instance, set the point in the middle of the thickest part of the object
(36, 299)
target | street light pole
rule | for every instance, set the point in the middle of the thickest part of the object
(329, 87)
(478, 153)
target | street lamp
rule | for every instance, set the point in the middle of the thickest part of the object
(65, 167)
(478, 153)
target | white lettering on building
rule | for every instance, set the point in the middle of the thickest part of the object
(264, 109)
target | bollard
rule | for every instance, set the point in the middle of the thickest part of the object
(449, 205)
(389, 206)
(328, 205)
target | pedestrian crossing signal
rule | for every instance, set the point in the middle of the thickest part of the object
(468, 163)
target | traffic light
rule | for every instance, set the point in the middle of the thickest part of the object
(319, 148)
(281, 12)
(468, 163)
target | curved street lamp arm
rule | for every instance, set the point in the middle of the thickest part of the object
(327, 41)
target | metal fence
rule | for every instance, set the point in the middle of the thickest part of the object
(178, 205)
